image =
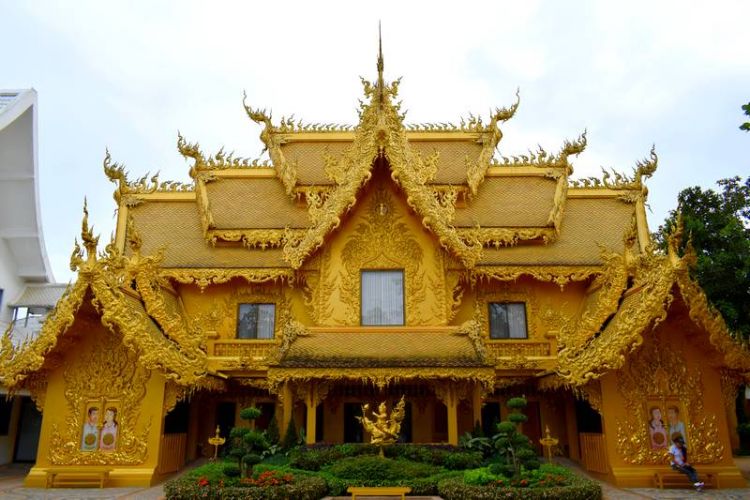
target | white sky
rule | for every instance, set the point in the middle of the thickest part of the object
(128, 75)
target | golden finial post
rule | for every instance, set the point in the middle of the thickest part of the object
(548, 442)
(216, 440)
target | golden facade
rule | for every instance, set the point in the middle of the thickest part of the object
(247, 286)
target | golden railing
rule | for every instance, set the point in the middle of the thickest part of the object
(172, 452)
(253, 349)
(514, 348)
(594, 452)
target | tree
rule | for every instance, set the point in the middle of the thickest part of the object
(512, 445)
(247, 445)
(718, 226)
(746, 126)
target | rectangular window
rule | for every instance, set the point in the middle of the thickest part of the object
(255, 321)
(382, 298)
(508, 320)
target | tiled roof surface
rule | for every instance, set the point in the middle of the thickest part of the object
(175, 227)
(398, 349)
(509, 202)
(587, 223)
(253, 204)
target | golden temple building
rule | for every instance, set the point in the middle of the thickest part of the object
(364, 263)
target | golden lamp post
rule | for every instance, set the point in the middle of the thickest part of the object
(216, 441)
(548, 442)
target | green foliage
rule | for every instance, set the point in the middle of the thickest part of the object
(502, 469)
(255, 440)
(272, 432)
(718, 226)
(374, 467)
(231, 470)
(548, 482)
(247, 443)
(518, 403)
(512, 446)
(746, 126)
(250, 413)
(517, 418)
(301, 488)
(479, 444)
(479, 476)
(290, 436)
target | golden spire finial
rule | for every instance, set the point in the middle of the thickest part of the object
(87, 235)
(381, 82)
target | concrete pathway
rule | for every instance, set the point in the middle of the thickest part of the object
(11, 488)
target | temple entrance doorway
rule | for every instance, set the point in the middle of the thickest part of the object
(353, 432)
(29, 426)
(490, 418)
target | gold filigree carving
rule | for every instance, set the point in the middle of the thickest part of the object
(489, 138)
(207, 277)
(560, 275)
(127, 190)
(109, 371)
(542, 159)
(379, 377)
(506, 236)
(602, 300)
(219, 161)
(614, 180)
(173, 394)
(255, 238)
(285, 171)
(396, 248)
(659, 373)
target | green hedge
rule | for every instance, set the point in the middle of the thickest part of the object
(303, 488)
(579, 488)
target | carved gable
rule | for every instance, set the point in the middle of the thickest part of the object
(380, 233)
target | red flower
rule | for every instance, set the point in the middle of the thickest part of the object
(202, 481)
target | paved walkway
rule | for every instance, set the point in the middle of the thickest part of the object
(11, 488)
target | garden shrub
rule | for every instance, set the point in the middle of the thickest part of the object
(301, 488)
(461, 460)
(376, 468)
(547, 482)
(231, 470)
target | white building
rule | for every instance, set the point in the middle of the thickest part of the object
(27, 291)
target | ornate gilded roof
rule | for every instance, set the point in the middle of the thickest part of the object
(178, 354)
(357, 349)
(656, 281)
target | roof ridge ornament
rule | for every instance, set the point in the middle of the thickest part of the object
(380, 66)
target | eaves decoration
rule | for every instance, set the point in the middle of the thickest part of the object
(556, 166)
(127, 191)
(622, 182)
(273, 139)
(489, 138)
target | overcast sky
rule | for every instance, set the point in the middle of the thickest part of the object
(129, 75)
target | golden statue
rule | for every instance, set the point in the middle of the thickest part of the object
(383, 430)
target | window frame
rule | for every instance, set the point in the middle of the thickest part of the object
(403, 295)
(256, 338)
(490, 303)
